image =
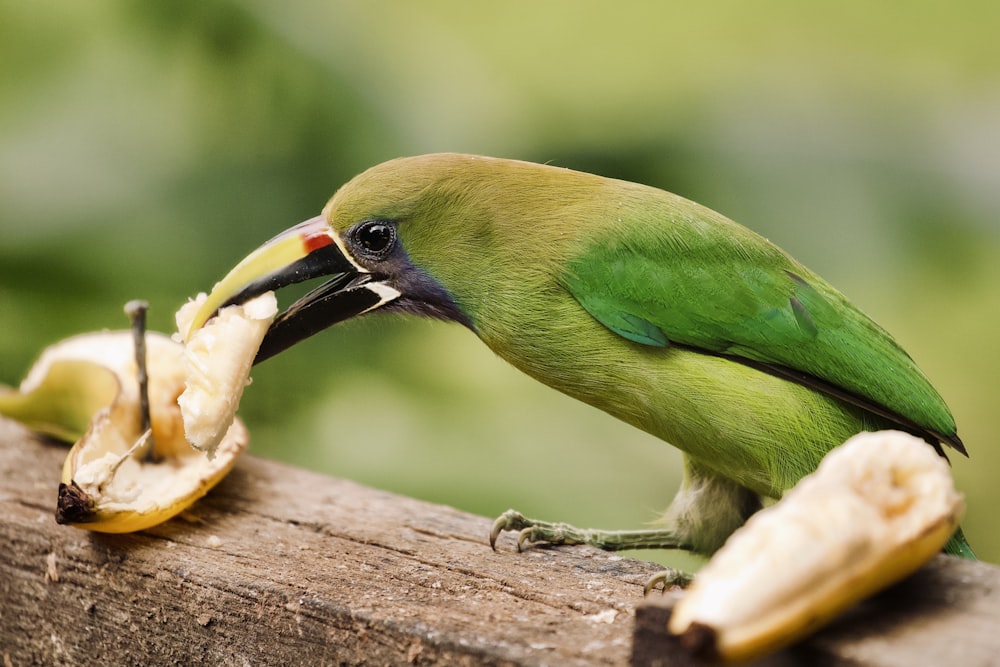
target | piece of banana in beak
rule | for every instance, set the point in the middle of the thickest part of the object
(118, 478)
(876, 509)
(218, 358)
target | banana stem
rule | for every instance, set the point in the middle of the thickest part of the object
(136, 311)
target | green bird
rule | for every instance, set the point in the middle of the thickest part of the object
(641, 303)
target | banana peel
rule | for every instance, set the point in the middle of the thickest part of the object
(116, 478)
(876, 509)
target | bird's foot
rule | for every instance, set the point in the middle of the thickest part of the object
(665, 579)
(533, 530)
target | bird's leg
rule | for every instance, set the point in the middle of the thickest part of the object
(708, 508)
(533, 530)
(703, 514)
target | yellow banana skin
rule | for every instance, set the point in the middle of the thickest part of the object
(877, 508)
(61, 399)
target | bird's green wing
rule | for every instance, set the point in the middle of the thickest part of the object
(718, 288)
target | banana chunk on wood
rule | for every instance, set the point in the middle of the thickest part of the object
(876, 509)
(119, 477)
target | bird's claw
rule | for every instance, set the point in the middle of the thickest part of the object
(667, 578)
(533, 530)
(509, 520)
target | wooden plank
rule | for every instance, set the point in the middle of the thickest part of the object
(282, 566)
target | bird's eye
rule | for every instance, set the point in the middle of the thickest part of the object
(374, 238)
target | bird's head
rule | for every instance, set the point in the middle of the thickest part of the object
(417, 235)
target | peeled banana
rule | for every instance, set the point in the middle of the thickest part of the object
(876, 509)
(116, 478)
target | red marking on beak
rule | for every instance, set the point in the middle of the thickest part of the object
(316, 240)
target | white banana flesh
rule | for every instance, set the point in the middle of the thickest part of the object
(217, 360)
(876, 509)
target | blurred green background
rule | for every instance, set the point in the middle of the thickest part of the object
(145, 147)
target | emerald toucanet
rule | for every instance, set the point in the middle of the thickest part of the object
(648, 306)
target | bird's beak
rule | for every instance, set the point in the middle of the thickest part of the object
(307, 250)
